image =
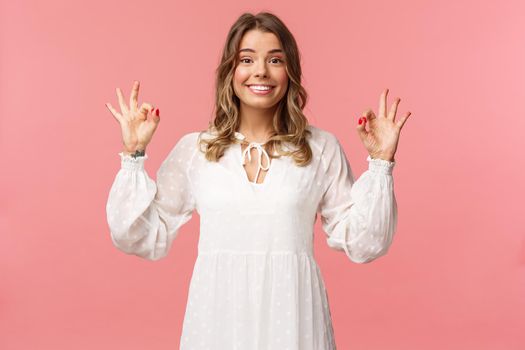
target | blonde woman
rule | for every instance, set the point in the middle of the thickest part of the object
(258, 175)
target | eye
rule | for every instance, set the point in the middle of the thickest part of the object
(242, 60)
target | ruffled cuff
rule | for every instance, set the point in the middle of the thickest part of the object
(380, 165)
(128, 162)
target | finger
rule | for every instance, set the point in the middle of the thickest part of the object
(403, 120)
(145, 109)
(382, 104)
(156, 115)
(368, 114)
(361, 130)
(393, 109)
(123, 108)
(133, 99)
(116, 114)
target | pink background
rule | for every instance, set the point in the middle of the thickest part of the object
(455, 275)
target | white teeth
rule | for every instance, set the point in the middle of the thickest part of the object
(260, 87)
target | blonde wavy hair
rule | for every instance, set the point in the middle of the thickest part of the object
(289, 122)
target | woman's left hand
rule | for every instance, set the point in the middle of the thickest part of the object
(383, 135)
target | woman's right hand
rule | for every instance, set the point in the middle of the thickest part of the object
(137, 129)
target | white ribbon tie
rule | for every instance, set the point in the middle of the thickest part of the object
(260, 149)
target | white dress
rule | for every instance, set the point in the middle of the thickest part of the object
(256, 284)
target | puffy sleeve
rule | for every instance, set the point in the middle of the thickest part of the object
(359, 217)
(145, 216)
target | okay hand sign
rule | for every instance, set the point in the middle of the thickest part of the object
(382, 136)
(137, 129)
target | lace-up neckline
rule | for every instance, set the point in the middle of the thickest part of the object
(259, 146)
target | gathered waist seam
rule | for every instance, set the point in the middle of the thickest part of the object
(234, 252)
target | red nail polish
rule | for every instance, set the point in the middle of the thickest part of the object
(360, 121)
(157, 112)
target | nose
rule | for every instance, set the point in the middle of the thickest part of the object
(260, 69)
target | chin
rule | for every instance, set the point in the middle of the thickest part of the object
(261, 105)
(260, 102)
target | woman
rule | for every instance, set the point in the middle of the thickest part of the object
(258, 176)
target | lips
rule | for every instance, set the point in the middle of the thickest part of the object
(260, 92)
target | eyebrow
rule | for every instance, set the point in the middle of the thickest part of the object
(252, 50)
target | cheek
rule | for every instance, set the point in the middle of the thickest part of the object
(283, 81)
(282, 77)
(240, 75)
(239, 78)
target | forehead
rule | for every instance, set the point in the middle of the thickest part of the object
(259, 41)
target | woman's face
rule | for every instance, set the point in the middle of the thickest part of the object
(261, 62)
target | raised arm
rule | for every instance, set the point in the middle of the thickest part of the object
(144, 216)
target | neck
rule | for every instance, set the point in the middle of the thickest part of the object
(256, 124)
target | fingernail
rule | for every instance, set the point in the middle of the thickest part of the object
(360, 121)
(157, 112)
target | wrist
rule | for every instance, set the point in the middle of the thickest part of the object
(383, 156)
(139, 152)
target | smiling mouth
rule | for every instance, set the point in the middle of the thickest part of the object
(264, 87)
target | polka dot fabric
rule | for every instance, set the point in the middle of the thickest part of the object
(256, 283)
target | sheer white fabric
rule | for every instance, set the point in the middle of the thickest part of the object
(255, 283)
(362, 213)
(144, 216)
